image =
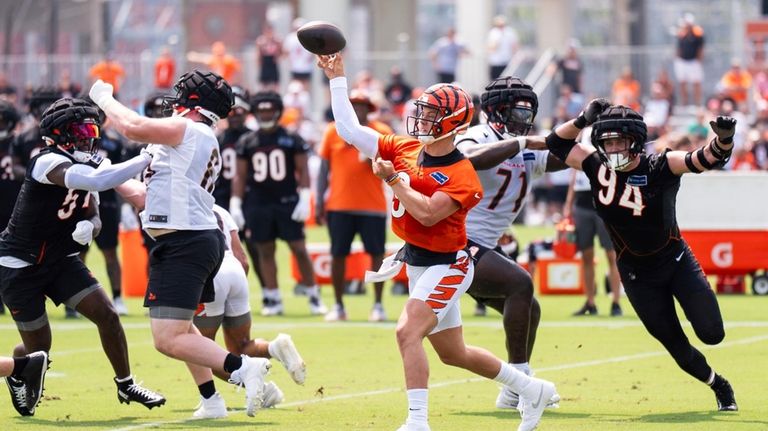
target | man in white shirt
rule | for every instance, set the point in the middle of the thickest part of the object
(502, 46)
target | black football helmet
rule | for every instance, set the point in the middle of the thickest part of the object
(267, 101)
(154, 105)
(510, 105)
(72, 126)
(9, 118)
(205, 92)
(619, 122)
(41, 98)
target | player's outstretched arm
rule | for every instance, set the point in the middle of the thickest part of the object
(711, 156)
(134, 192)
(348, 127)
(84, 177)
(166, 131)
(562, 142)
(490, 155)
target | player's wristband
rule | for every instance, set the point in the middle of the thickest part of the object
(521, 143)
(392, 179)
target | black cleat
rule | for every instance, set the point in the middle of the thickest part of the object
(615, 310)
(27, 387)
(586, 310)
(480, 310)
(19, 396)
(726, 402)
(130, 391)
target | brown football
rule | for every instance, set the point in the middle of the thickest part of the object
(321, 38)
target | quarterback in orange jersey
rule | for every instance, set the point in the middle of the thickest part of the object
(434, 187)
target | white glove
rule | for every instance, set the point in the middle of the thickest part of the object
(128, 219)
(83, 233)
(301, 211)
(101, 93)
(236, 211)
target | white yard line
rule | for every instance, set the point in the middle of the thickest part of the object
(616, 359)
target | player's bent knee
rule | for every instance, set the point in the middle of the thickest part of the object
(712, 335)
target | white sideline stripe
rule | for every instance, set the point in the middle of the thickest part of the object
(65, 326)
(743, 341)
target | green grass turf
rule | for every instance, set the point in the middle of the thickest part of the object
(610, 373)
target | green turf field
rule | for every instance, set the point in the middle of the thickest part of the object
(610, 374)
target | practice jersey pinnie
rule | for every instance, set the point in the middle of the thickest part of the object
(228, 149)
(505, 187)
(638, 207)
(45, 215)
(180, 181)
(271, 177)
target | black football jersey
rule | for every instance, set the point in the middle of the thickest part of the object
(638, 206)
(43, 219)
(28, 145)
(228, 150)
(9, 184)
(271, 165)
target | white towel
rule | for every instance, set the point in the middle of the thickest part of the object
(388, 270)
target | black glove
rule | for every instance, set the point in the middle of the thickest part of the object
(724, 128)
(590, 113)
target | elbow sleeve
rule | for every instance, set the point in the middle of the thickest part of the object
(558, 146)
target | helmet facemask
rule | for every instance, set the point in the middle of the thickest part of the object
(619, 153)
(513, 120)
(425, 126)
(80, 140)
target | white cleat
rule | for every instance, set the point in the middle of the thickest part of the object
(377, 314)
(273, 309)
(533, 400)
(120, 307)
(251, 375)
(212, 408)
(283, 349)
(316, 306)
(272, 396)
(508, 399)
(336, 315)
(414, 426)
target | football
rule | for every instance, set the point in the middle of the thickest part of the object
(321, 38)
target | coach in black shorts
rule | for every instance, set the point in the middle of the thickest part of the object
(635, 195)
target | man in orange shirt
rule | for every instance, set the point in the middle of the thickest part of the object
(222, 63)
(109, 71)
(736, 83)
(355, 204)
(626, 90)
(434, 188)
(165, 70)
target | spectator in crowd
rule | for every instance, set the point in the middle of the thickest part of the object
(444, 55)
(301, 62)
(656, 112)
(222, 63)
(735, 84)
(626, 90)
(269, 49)
(296, 97)
(66, 87)
(698, 130)
(580, 207)
(502, 46)
(109, 71)
(569, 104)
(688, 69)
(165, 70)
(666, 87)
(350, 200)
(7, 90)
(570, 67)
(760, 148)
(398, 91)
(372, 87)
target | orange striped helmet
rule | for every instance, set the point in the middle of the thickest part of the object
(442, 109)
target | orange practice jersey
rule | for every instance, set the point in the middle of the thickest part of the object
(352, 186)
(451, 174)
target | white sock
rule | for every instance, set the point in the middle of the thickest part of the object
(711, 379)
(523, 367)
(273, 294)
(510, 376)
(312, 291)
(417, 405)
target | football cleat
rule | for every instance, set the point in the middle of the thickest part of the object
(508, 399)
(616, 310)
(128, 392)
(272, 396)
(480, 310)
(120, 307)
(283, 349)
(414, 426)
(272, 307)
(251, 376)
(586, 310)
(316, 306)
(377, 314)
(211, 408)
(33, 376)
(338, 313)
(19, 396)
(534, 399)
(726, 401)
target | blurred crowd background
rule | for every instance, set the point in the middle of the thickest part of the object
(678, 62)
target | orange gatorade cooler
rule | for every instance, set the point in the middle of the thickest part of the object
(133, 257)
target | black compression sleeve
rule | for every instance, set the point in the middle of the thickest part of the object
(689, 163)
(703, 159)
(558, 146)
